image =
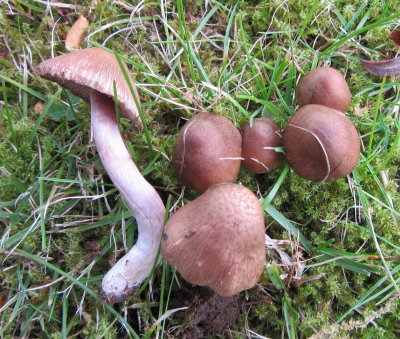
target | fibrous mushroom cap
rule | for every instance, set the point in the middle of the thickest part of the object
(208, 151)
(218, 239)
(321, 143)
(324, 86)
(91, 68)
(264, 133)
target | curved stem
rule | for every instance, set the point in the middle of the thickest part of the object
(129, 272)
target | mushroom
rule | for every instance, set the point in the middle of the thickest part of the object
(218, 239)
(208, 151)
(321, 143)
(324, 86)
(259, 143)
(90, 74)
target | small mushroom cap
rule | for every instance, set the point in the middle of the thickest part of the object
(208, 151)
(218, 239)
(91, 68)
(264, 133)
(321, 143)
(324, 86)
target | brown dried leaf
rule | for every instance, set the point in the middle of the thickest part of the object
(76, 33)
(383, 67)
(395, 36)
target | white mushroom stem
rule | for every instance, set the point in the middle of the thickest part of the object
(131, 270)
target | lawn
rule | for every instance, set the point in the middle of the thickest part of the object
(333, 249)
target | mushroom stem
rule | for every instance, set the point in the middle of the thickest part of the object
(130, 271)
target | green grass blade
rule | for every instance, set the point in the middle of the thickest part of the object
(286, 224)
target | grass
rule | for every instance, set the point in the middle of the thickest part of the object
(333, 263)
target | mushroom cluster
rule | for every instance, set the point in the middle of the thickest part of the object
(320, 142)
(218, 239)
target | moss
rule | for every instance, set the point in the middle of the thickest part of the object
(15, 156)
(103, 327)
(267, 318)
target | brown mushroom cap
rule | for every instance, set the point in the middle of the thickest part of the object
(324, 86)
(91, 68)
(208, 151)
(264, 133)
(321, 143)
(218, 239)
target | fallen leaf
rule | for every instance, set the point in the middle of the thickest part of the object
(395, 36)
(383, 67)
(76, 33)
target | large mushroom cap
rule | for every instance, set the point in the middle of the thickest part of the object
(91, 68)
(218, 239)
(321, 143)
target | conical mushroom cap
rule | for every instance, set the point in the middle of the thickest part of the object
(91, 68)
(218, 239)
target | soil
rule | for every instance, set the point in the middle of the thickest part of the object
(208, 314)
